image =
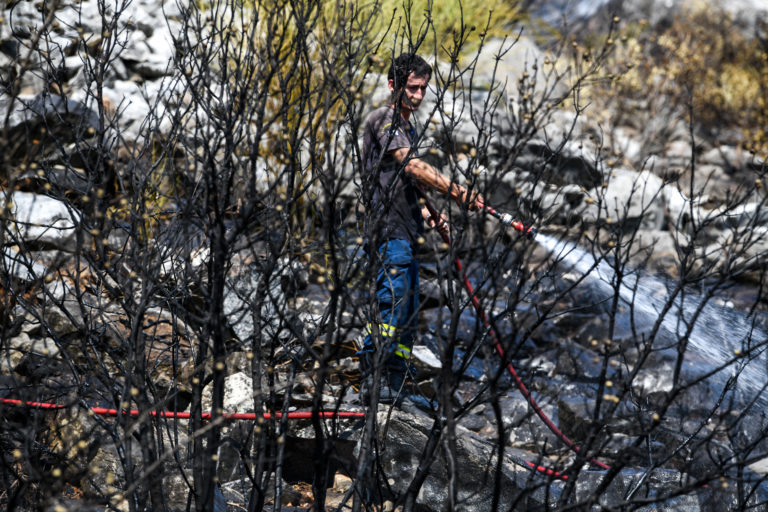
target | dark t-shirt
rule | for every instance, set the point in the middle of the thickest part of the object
(394, 206)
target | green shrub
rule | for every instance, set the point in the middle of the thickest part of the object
(703, 56)
(439, 23)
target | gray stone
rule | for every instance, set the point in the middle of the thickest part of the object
(654, 484)
(107, 470)
(728, 157)
(679, 152)
(65, 119)
(681, 210)
(22, 265)
(238, 394)
(149, 57)
(744, 252)
(237, 492)
(754, 214)
(41, 219)
(136, 48)
(657, 251)
(236, 436)
(565, 129)
(425, 360)
(630, 197)
(176, 10)
(147, 16)
(746, 12)
(626, 142)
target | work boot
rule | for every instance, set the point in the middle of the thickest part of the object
(391, 382)
(404, 397)
(392, 387)
(396, 390)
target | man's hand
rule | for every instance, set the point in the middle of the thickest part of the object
(441, 225)
(474, 200)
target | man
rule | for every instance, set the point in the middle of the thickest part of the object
(393, 178)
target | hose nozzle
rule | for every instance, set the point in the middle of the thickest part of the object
(528, 231)
(507, 219)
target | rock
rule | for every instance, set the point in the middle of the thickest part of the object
(78, 85)
(133, 108)
(236, 436)
(625, 141)
(657, 252)
(238, 394)
(618, 421)
(425, 361)
(341, 482)
(517, 56)
(145, 14)
(638, 485)
(565, 129)
(569, 160)
(744, 253)
(42, 220)
(752, 214)
(474, 422)
(238, 492)
(401, 443)
(21, 266)
(136, 48)
(150, 57)
(240, 299)
(578, 363)
(64, 120)
(628, 199)
(23, 352)
(67, 177)
(176, 10)
(679, 153)
(731, 158)
(106, 475)
(657, 12)
(681, 210)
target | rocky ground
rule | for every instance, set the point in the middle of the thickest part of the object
(688, 443)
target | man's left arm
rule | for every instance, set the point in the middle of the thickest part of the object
(440, 223)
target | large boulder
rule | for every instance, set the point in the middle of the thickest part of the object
(402, 439)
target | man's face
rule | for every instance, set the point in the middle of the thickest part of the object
(415, 88)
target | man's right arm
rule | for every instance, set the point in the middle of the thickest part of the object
(430, 177)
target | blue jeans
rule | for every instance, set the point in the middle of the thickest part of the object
(397, 294)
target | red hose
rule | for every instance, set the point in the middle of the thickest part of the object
(103, 411)
(545, 470)
(500, 350)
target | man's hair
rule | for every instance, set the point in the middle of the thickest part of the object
(404, 65)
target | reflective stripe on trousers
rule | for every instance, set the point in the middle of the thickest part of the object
(387, 331)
